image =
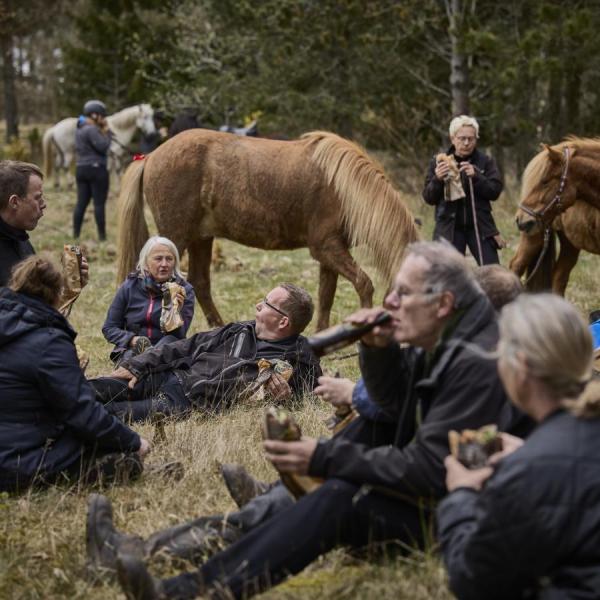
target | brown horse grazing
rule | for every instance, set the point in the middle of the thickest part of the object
(320, 191)
(560, 196)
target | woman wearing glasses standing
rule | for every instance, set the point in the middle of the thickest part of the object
(461, 184)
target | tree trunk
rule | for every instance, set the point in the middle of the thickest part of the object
(10, 94)
(459, 68)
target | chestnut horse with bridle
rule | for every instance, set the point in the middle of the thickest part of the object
(560, 197)
(320, 191)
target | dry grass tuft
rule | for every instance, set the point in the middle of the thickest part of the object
(42, 533)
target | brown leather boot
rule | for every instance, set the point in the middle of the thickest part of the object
(241, 485)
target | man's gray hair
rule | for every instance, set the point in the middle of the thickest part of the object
(157, 240)
(448, 271)
(463, 121)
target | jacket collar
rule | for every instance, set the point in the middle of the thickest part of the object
(11, 232)
(475, 317)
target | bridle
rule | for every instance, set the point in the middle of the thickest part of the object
(539, 215)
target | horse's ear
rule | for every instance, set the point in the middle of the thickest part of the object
(553, 154)
(544, 147)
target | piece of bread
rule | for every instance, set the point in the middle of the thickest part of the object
(279, 424)
(473, 447)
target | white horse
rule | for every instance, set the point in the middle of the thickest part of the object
(59, 140)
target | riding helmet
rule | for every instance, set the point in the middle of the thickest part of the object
(94, 106)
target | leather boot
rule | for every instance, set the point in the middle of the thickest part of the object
(241, 485)
(103, 541)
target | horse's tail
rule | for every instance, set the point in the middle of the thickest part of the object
(374, 213)
(538, 275)
(47, 147)
(133, 231)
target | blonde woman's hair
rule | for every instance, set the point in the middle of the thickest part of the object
(157, 240)
(552, 337)
(463, 121)
(39, 277)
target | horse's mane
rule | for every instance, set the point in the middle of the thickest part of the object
(375, 214)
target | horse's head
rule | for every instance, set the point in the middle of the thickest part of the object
(145, 119)
(546, 190)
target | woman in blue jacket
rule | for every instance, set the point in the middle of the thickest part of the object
(133, 320)
(50, 422)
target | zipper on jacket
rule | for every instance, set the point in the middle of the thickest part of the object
(149, 317)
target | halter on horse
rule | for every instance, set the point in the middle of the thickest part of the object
(539, 215)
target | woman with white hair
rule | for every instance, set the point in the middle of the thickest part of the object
(531, 527)
(133, 320)
(461, 184)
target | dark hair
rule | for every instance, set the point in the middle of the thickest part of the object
(298, 306)
(500, 285)
(14, 179)
(37, 276)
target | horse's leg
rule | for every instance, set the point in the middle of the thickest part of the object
(334, 255)
(200, 255)
(327, 284)
(567, 257)
(527, 250)
(68, 167)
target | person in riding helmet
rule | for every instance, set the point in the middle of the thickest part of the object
(92, 143)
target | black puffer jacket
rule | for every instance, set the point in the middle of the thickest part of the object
(213, 365)
(534, 531)
(459, 390)
(48, 414)
(487, 186)
(14, 247)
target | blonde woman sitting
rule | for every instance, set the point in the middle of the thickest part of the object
(528, 526)
(133, 320)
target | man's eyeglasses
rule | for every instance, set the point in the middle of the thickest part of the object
(402, 294)
(277, 310)
(465, 140)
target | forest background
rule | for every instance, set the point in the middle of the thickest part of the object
(387, 73)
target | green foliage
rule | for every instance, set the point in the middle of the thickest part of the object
(101, 61)
(16, 150)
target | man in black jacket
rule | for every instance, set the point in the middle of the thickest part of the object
(442, 381)
(22, 205)
(464, 217)
(208, 370)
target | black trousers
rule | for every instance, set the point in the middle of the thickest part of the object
(338, 513)
(466, 237)
(92, 183)
(158, 393)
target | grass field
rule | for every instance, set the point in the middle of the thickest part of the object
(42, 532)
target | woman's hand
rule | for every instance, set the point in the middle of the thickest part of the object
(180, 296)
(441, 170)
(335, 390)
(467, 168)
(457, 475)
(510, 443)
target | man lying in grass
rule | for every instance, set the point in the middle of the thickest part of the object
(369, 494)
(208, 370)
